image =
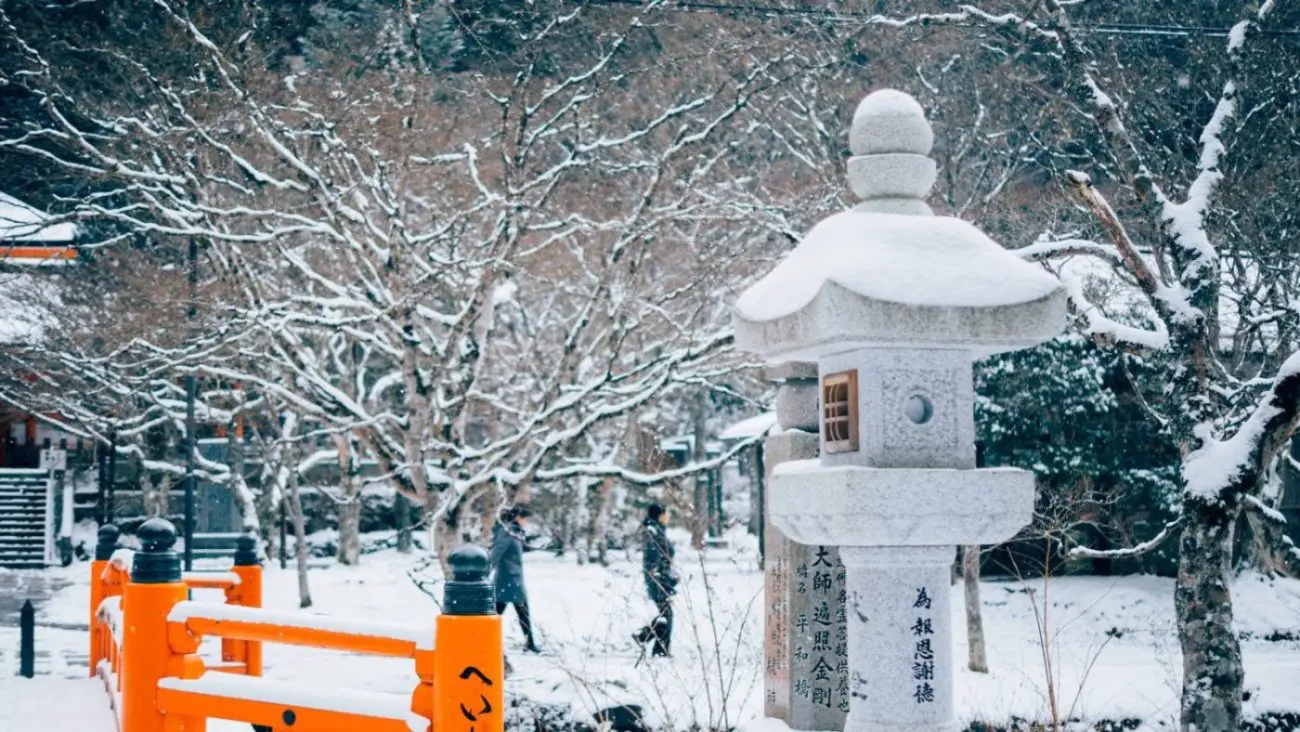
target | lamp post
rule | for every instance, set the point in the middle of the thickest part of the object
(191, 313)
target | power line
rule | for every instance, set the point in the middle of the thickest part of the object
(826, 14)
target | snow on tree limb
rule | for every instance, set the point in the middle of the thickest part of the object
(1224, 471)
(1052, 249)
(1109, 333)
(1155, 542)
(1170, 302)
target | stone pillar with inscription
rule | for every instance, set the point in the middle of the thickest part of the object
(894, 305)
(805, 642)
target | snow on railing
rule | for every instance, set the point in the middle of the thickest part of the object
(122, 560)
(232, 621)
(110, 614)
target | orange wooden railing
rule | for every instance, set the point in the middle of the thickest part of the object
(110, 573)
(147, 635)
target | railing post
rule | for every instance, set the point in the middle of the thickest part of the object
(469, 662)
(154, 590)
(248, 567)
(104, 548)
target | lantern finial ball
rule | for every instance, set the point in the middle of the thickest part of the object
(890, 121)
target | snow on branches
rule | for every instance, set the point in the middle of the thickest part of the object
(471, 275)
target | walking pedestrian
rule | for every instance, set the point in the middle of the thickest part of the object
(660, 580)
(507, 558)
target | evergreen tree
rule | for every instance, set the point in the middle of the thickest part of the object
(1069, 411)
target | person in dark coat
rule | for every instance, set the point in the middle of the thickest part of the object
(507, 557)
(660, 580)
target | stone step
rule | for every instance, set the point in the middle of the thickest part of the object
(22, 513)
(9, 555)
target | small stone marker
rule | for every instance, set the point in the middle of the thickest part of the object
(894, 304)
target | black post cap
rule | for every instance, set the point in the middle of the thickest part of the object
(468, 592)
(156, 563)
(246, 551)
(107, 544)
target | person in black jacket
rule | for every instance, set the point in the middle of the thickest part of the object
(660, 580)
(507, 557)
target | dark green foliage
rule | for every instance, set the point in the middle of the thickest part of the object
(1067, 411)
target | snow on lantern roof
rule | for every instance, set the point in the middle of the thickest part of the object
(890, 272)
(20, 222)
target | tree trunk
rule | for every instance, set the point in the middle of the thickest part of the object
(599, 530)
(700, 497)
(444, 532)
(349, 551)
(268, 515)
(1212, 669)
(759, 496)
(300, 535)
(248, 508)
(1270, 551)
(977, 660)
(157, 499)
(402, 517)
(754, 456)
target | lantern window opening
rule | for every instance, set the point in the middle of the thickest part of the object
(840, 412)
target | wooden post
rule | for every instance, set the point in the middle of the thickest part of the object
(27, 641)
(248, 593)
(104, 548)
(147, 655)
(469, 664)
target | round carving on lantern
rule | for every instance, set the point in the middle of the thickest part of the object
(918, 409)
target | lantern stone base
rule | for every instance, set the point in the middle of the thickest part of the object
(899, 629)
(897, 530)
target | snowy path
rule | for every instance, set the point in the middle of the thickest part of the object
(18, 587)
(49, 704)
(1112, 638)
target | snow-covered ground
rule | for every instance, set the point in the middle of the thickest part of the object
(1114, 652)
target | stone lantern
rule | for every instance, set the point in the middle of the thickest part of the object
(894, 305)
